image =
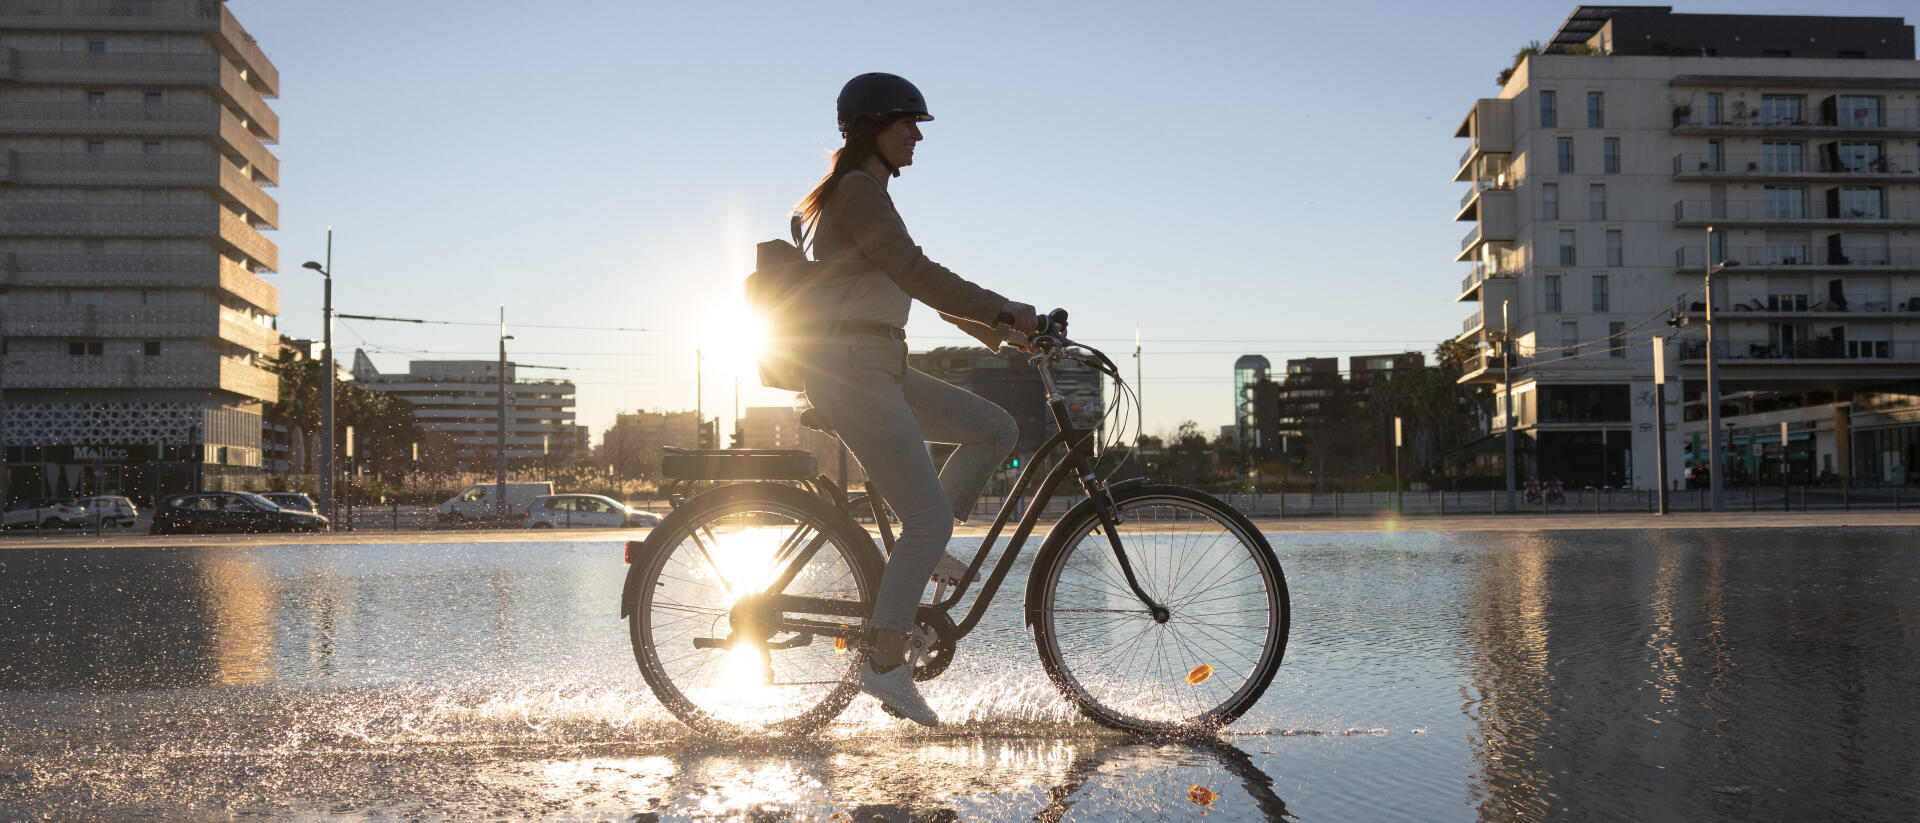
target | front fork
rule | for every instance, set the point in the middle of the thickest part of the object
(1108, 511)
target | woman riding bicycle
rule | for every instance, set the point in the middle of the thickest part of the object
(857, 378)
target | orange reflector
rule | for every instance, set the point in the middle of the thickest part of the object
(839, 645)
(1201, 796)
(1199, 674)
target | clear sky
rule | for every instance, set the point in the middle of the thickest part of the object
(1227, 178)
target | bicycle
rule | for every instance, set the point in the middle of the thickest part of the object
(1154, 608)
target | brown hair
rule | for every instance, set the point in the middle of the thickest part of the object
(852, 155)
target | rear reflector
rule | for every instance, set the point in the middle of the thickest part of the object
(628, 554)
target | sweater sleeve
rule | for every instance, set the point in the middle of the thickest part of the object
(988, 336)
(877, 229)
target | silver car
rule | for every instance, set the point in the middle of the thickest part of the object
(584, 510)
(109, 510)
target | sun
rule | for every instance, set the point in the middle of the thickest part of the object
(731, 338)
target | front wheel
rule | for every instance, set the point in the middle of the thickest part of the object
(1225, 592)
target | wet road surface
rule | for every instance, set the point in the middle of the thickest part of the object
(1566, 675)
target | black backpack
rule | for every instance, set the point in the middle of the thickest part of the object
(778, 290)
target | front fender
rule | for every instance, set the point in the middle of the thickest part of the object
(1058, 533)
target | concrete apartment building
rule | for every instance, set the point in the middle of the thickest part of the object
(1595, 174)
(133, 317)
(1011, 384)
(462, 399)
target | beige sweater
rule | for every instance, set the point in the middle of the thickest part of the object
(880, 271)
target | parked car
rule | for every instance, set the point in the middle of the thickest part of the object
(577, 510)
(229, 511)
(1699, 477)
(293, 501)
(476, 502)
(45, 513)
(109, 510)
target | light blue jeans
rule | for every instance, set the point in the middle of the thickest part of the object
(887, 413)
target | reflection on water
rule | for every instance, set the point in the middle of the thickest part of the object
(1687, 675)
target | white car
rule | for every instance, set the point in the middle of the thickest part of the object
(110, 510)
(45, 513)
(583, 510)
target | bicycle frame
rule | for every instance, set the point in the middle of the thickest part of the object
(1077, 459)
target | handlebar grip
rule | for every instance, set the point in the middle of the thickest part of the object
(1055, 322)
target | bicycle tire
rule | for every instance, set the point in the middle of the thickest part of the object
(712, 698)
(1090, 628)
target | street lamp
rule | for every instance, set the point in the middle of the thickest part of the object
(1714, 467)
(500, 431)
(326, 382)
(1506, 385)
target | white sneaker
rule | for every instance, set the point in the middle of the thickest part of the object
(897, 694)
(950, 569)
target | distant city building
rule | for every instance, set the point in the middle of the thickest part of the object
(462, 399)
(1595, 175)
(133, 152)
(632, 445)
(1366, 370)
(1009, 382)
(771, 427)
(1249, 372)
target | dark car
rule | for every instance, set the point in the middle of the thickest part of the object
(292, 501)
(1699, 477)
(229, 512)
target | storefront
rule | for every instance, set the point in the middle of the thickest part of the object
(141, 471)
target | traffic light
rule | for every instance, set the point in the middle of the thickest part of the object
(707, 433)
(739, 437)
(1013, 462)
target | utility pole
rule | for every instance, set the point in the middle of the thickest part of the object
(1399, 497)
(1660, 418)
(1506, 383)
(1139, 398)
(1714, 480)
(326, 383)
(500, 429)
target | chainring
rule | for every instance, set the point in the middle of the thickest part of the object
(931, 647)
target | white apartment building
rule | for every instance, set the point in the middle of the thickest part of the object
(462, 399)
(134, 322)
(1595, 175)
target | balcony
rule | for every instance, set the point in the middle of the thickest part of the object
(1484, 366)
(1473, 323)
(222, 28)
(1489, 289)
(1751, 123)
(210, 171)
(208, 321)
(1489, 125)
(200, 271)
(1493, 213)
(183, 371)
(1735, 167)
(1806, 260)
(145, 120)
(1878, 354)
(231, 232)
(1765, 213)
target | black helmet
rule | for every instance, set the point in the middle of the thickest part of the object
(878, 94)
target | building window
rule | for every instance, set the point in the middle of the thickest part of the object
(1569, 338)
(96, 97)
(1547, 118)
(1786, 203)
(86, 297)
(1564, 147)
(1596, 110)
(1551, 294)
(1617, 340)
(1616, 252)
(151, 348)
(1600, 293)
(1716, 157)
(84, 348)
(1597, 202)
(152, 147)
(1783, 156)
(154, 97)
(1782, 109)
(1862, 203)
(1611, 155)
(96, 147)
(153, 297)
(1715, 108)
(1858, 112)
(1549, 201)
(97, 46)
(1566, 247)
(1776, 53)
(1859, 157)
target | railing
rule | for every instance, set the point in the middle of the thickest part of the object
(1473, 145)
(1779, 254)
(1814, 303)
(1473, 321)
(1855, 351)
(1694, 211)
(1484, 186)
(1483, 360)
(1753, 118)
(1481, 274)
(1472, 237)
(56, 66)
(1760, 165)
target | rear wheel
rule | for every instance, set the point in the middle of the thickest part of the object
(702, 634)
(1226, 627)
